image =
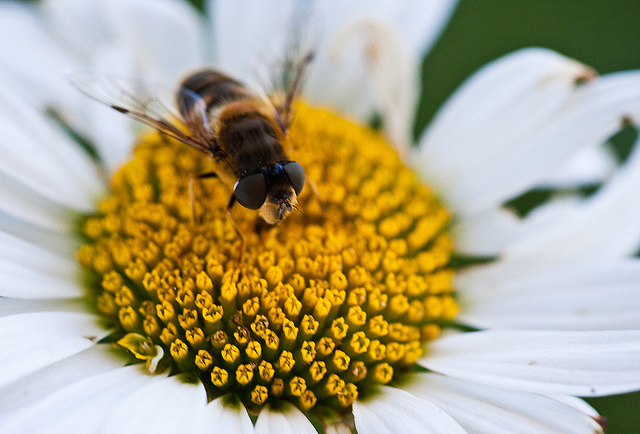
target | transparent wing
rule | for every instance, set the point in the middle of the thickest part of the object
(149, 104)
(290, 79)
(282, 73)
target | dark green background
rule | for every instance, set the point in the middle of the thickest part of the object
(604, 34)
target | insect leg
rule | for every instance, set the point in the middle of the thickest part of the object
(285, 111)
(316, 193)
(232, 201)
(191, 194)
(192, 201)
(208, 175)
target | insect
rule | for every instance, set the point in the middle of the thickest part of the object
(245, 134)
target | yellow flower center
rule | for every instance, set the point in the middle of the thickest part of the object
(335, 299)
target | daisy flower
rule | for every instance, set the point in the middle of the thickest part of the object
(411, 300)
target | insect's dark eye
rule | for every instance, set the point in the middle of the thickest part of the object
(295, 172)
(251, 191)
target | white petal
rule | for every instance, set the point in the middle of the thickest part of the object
(63, 243)
(477, 123)
(14, 306)
(585, 296)
(578, 404)
(285, 419)
(252, 27)
(609, 218)
(337, 428)
(21, 281)
(83, 406)
(29, 271)
(390, 69)
(166, 405)
(164, 37)
(419, 22)
(518, 119)
(484, 233)
(76, 24)
(557, 209)
(564, 363)
(484, 409)
(393, 410)
(42, 158)
(23, 203)
(227, 415)
(112, 133)
(93, 361)
(243, 29)
(31, 341)
(34, 60)
(589, 166)
(24, 253)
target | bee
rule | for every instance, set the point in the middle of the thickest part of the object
(244, 133)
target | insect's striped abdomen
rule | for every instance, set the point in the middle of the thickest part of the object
(214, 87)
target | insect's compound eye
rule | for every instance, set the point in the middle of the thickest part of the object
(295, 172)
(251, 191)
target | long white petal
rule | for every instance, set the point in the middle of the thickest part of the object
(25, 253)
(41, 157)
(394, 410)
(488, 410)
(168, 405)
(563, 363)
(420, 23)
(23, 203)
(341, 73)
(589, 166)
(389, 67)
(31, 341)
(62, 242)
(28, 390)
(227, 415)
(34, 60)
(370, 60)
(586, 296)
(286, 419)
(578, 404)
(14, 306)
(337, 428)
(29, 271)
(163, 36)
(609, 217)
(112, 133)
(21, 281)
(485, 233)
(76, 24)
(518, 119)
(83, 406)
(157, 41)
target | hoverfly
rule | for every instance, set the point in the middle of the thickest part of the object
(244, 133)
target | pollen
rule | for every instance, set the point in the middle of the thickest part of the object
(338, 298)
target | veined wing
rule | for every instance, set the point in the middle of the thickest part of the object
(147, 104)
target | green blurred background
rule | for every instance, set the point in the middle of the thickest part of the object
(604, 34)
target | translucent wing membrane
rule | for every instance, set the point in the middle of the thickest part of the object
(150, 104)
(282, 75)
